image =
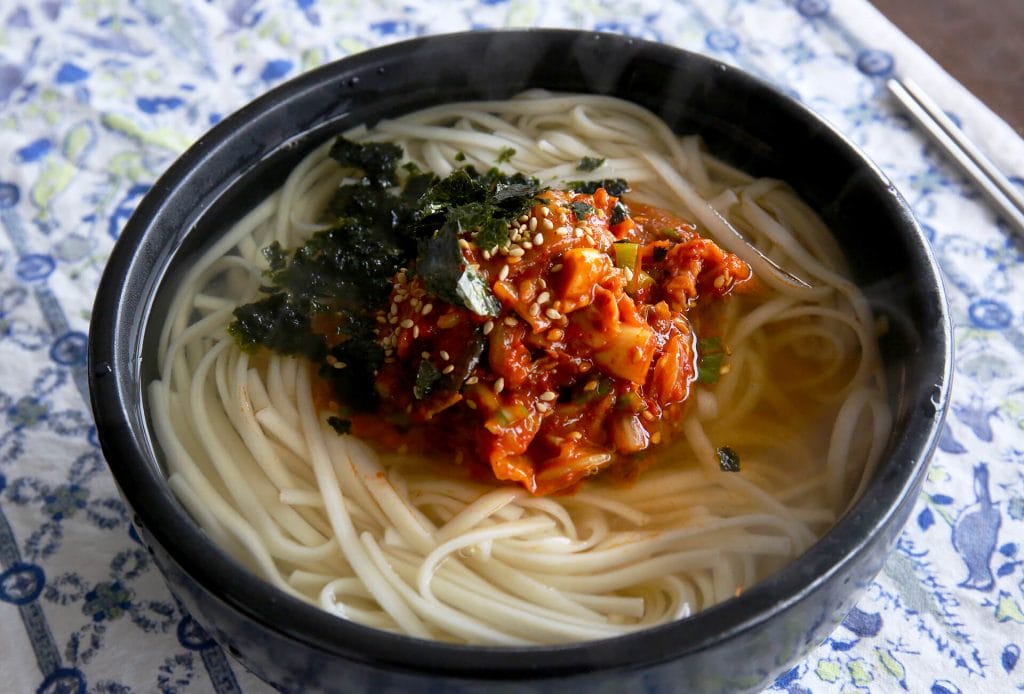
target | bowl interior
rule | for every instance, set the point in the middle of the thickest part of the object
(742, 120)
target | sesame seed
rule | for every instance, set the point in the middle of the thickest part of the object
(544, 297)
(552, 314)
(340, 365)
(511, 321)
(538, 240)
(527, 245)
(656, 437)
(545, 211)
(488, 327)
(470, 404)
(448, 369)
(427, 309)
(415, 331)
(576, 435)
(448, 320)
(578, 233)
(719, 281)
(487, 255)
(393, 310)
(444, 355)
(425, 354)
(463, 243)
(406, 323)
(557, 267)
(548, 224)
(392, 320)
(523, 218)
(548, 395)
(503, 272)
(382, 319)
(648, 415)
(591, 385)
(499, 385)
(635, 353)
(543, 407)
(533, 224)
(516, 252)
(556, 334)
(472, 380)
(534, 310)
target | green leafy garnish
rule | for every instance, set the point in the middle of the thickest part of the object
(460, 156)
(342, 426)
(619, 214)
(427, 376)
(728, 459)
(581, 209)
(321, 299)
(378, 160)
(589, 164)
(481, 203)
(276, 256)
(710, 355)
(505, 155)
(613, 186)
(278, 324)
(444, 271)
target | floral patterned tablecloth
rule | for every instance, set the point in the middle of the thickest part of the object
(97, 98)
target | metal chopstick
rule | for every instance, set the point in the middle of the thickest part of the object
(979, 168)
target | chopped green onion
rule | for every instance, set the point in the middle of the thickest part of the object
(630, 401)
(710, 356)
(626, 254)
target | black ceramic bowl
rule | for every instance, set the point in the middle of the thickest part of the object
(737, 645)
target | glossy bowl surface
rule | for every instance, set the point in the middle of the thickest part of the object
(738, 645)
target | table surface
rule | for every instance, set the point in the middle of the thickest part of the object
(97, 98)
(980, 43)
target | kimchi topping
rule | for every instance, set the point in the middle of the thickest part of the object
(538, 336)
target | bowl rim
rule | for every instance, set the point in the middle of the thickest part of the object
(158, 511)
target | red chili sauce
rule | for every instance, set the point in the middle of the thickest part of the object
(589, 363)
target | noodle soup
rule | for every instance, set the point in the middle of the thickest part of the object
(413, 543)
